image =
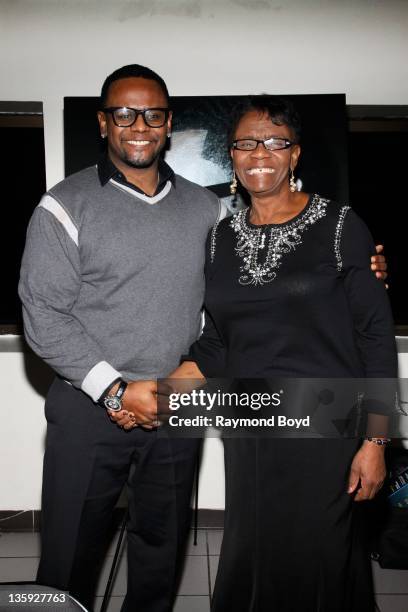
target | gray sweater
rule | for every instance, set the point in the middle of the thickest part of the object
(112, 281)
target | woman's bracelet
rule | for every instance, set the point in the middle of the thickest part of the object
(379, 441)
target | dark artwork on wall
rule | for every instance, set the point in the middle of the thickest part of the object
(22, 164)
(377, 150)
(337, 161)
(198, 148)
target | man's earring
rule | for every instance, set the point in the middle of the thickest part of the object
(103, 135)
(234, 184)
(168, 134)
(292, 182)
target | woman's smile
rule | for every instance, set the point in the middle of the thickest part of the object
(260, 170)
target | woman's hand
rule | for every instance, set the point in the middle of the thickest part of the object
(379, 263)
(367, 472)
(186, 377)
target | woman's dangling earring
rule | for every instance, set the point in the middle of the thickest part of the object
(292, 182)
(234, 184)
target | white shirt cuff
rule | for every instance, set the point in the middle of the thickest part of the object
(98, 379)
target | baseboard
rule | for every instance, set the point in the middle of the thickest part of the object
(19, 520)
(210, 519)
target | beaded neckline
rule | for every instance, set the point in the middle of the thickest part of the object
(259, 266)
(247, 212)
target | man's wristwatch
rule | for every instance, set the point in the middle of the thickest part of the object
(114, 402)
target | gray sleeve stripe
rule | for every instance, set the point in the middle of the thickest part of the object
(55, 208)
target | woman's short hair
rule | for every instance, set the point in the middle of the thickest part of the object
(280, 111)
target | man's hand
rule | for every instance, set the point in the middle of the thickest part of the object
(139, 406)
(379, 263)
(367, 471)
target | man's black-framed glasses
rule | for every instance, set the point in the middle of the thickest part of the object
(271, 144)
(123, 116)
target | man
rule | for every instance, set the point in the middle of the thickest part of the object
(112, 287)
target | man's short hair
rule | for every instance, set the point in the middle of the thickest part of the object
(132, 70)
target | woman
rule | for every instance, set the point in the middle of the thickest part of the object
(289, 294)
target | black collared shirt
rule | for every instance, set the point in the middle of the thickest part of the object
(107, 170)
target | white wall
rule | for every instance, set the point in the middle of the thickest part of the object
(55, 48)
(22, 430)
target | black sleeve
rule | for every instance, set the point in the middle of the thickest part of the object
(371, 313)
(208, 352)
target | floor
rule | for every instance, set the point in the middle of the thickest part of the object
(19, 558)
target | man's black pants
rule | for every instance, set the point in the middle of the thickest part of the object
(87, 462)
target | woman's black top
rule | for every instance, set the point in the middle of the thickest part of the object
(296, 299)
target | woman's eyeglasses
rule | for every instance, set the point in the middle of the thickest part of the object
(271, 144)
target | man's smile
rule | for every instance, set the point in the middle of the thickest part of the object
(137, 143)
